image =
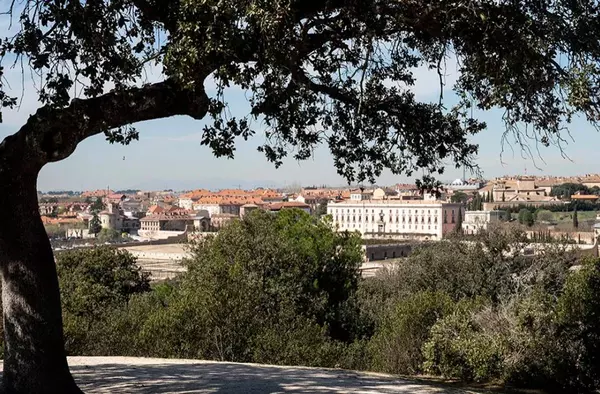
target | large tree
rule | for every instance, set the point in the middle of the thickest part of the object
(331, 71)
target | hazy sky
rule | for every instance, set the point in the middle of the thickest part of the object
(169, 155)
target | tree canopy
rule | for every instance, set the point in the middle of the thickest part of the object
(335, 71)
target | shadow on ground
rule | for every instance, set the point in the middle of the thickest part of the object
(97, 376)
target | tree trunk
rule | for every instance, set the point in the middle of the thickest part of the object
(34, 354)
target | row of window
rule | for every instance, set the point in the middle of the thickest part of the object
(404, 227)
(347, 210)
(410, 219)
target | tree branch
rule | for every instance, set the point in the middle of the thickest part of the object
(52, 134)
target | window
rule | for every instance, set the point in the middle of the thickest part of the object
(445, 217)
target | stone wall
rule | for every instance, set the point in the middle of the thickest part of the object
(387, 251)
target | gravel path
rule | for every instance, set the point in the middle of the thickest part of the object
(146, 375)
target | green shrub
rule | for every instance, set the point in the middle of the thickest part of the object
(396, 347)
(94, 284)
(578, 321)
(461, 347)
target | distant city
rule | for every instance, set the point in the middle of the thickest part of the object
(396, 212)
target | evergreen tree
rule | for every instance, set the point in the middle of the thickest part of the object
(459, 221)
(527, 218)
(95, 224)
(97, 205)
(575, 220)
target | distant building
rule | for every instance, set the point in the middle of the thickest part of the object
(278, 206)
(359, 195)
(220, 220)
(114, 219)
(476, 221)
(398, 219)
(462, 185)
(584, 197)
(165, 222)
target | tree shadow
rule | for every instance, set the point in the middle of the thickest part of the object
(215, 377)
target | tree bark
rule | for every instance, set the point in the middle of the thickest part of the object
(34, 355)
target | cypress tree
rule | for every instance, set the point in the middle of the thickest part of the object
(575, 220)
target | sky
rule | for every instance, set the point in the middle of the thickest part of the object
(168, 154)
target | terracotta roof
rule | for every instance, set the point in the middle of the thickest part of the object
(163, 217)
(290, 204)
(584, 197)
(49, 220)
(155, 209)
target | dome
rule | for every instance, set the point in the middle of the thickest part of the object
(458, 182)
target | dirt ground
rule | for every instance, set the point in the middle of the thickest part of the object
(144, 375)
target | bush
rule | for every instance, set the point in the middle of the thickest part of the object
(269, 288)
(464, 346)
(396, 348)
(543, 215)
(94, 283)
(578, 321)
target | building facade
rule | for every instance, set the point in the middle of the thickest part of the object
(398, 219)
(476, 221)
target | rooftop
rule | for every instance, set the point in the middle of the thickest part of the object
(395, 202)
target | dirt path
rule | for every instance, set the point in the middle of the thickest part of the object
(143, 375)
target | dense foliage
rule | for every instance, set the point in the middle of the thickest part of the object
(566, 190)
(285, 289)
(93, 282)
(335, 71)
(526, 217)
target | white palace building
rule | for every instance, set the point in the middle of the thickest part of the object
(428, 219)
